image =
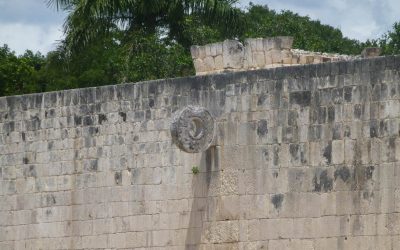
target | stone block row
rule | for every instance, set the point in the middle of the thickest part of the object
(305, 158)
(258, 53)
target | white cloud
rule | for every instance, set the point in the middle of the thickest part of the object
(29, 24)
(21, 36)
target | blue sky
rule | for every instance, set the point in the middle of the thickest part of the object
(30, 24)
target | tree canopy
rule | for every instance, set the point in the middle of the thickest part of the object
(20, 74)
(87, 20)
(390, 42)
(115, 41)
(308, 34)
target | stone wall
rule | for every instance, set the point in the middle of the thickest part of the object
(259, 53)
(305, 157)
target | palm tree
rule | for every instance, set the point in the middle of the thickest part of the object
(88, 19)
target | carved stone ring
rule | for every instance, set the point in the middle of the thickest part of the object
(192, 129)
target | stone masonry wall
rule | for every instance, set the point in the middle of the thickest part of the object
(305, 157)
(259, 53)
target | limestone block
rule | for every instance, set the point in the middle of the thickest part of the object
(199, 65)
(286, 56)
(327, 243)
(209, 63)
(259, 59)
(306, 59)
(213, 49)
(208, 48)
(219, 62)
(160, 238)
(229, 183)
(295, 59)
(117, 240)
(233, 53)
(290, 244)
(98, 241)
(337, 152)
(249, 62)
(276, 56)
(317, 59)
(222, 231)
(309, 59)
(302, 59)
(278, 43)
(268, 58)
(202, 52)
(218, 48)
(326, 59)
(286, 42)
(254, 206)
(228, 208)
(251, 43)
(269, 44)
(371, 52)
(259, 44)
(194, 51)
(254, 245)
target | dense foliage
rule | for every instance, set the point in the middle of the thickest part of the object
(390, 42)
(110, 42)
(20, 74)
(308, 34)
(88, 19)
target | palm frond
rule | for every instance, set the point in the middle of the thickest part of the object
(88, 18)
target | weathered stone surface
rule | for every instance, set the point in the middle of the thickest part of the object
(304, 157)
(371, 52)
(219, 62)
(233, 54)
(192, 129)
(277, 50)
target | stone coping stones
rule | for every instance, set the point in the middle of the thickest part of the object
(259, 53)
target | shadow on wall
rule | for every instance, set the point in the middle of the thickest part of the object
(200, 206)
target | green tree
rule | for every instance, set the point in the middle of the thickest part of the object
(308, 34)
(390, 42)
(114, 41)
(149, 57)
(97, 65)
(88, 19)
(130, 40)
(19, 75)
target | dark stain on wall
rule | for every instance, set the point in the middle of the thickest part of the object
(294, 151)
(78, 120)
(373, 128)
(30, 171)
(87, 121)
(361, 175)
(322, 181)
(344, 174)
(261, 99)
(50, 200)
(118, 178)
(301, 98)
(25, 160)
(328, 153)
(102, 118)
(277, 200)
(262, 128)
(123, 116)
